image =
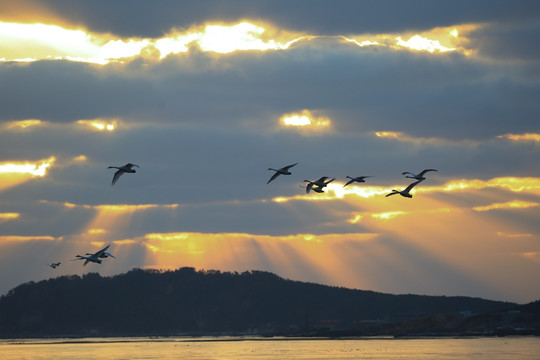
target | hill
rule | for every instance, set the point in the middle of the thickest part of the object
(190, 302)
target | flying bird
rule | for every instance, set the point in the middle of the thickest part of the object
(283, 171)
(54, 265)
(357, 179)
(318, 184)
(103, 253)
(128, 168)
(317, 189)
(419, 176)
(95, 257)
(405, 192)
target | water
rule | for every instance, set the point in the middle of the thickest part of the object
(238, 348)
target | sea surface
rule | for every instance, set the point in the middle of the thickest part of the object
(254, 348)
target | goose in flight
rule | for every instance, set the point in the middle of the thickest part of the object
(319, 184)
(419, 176)
(357, 179)
(283, 171)
(317, 189)
(95, 257)
(54, 265)
(89, 258)
(405, 192)
(128, 168)
(103, 253)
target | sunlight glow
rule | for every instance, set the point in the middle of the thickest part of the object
(514, 184)
(98, 124)
(9, 216)
(335, 190)
(516, 204)
(243, 36)
(388, 215)
(27, 42)
(23, 123)
(121, 208)
(388, 134)
(508, 235)
(80, 158)
(31, 42)
(38, 168)
(436, 40)
(130, 208)
(521, 137)
(355, 219)
(15, 238)
(96, 231)
(117, 49)
(305, 120)
(202, 243)
(418, 42)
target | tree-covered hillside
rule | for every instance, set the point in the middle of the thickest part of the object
(186, 301)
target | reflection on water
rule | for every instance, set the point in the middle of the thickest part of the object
(237, 348)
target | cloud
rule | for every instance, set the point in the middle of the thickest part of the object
(512, 41)
(15, 238)
(5, 216)
(13, 173)
(205, 126)
(130, 19)
(507, 205)
(419, 89)
(521, 137)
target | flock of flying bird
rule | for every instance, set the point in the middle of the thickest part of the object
(102, 254)
(316, 186)
(320, 184)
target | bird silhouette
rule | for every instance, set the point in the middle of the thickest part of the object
(282, 171)
(419, 176)
(405, 192)
(95, 257)
(319, 184)
(128, 168)
(357, 179)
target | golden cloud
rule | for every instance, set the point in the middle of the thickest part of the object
(388, 215)
(23, 124)
(121, 208)
(515, 204)
(513, 235)
(336, 191)
(99, 124)
(36, 168)
(436, 40)
(38, 41)
(521, 137)
(305, 121)
(9, 216)
(199, 243)
(15, 238)
(13, 173)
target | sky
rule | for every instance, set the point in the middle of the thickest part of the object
(206, 96)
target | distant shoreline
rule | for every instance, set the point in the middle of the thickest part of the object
(231, 338)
